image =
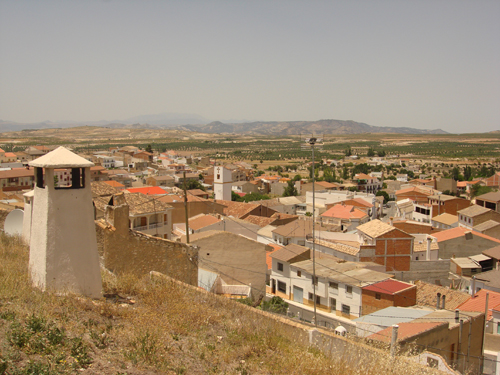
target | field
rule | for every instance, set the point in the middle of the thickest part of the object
(484, 147)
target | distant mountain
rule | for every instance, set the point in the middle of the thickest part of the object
(195, 123)
(303, 127)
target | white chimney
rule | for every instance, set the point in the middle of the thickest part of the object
(428, 252)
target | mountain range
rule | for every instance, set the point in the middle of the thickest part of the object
(195, 123)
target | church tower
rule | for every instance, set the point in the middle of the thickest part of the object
(223, 180)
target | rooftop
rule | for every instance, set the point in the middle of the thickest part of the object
(61, 157)
(340, 211)
(389, 286)
(147, 190)
(291, 252)
(491, 197)
(393, 315)
(489, 224)
(478, 302)
(427, 295)
(452, 233)
(375, 228)
(406, 331)
(474, 210)
(447, 219)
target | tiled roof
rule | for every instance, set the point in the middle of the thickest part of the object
(486, 225)
(261, 221)
(494, 252)
(269, 259)
(237, 209)
(101, 188)
(115, 184)
(490, 278)
(197, 192)
(202, 221)
(363, 176)
(422, 247)
(17, 172)
(297, 228)
(427, 295)
(445, 218)
(147, 190)
(388, 287)
(491, 197)
(443, 197)
(474, 210)
(415, 189)
(349, 250)
(375, 228)
(478, 302)
(291, 251)
(406, 331)
(326, 185)
(61, 157)
(452, 233)
(340, 211)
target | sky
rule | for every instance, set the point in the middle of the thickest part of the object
(425, 64)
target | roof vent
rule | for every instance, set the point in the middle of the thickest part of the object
(468, 235)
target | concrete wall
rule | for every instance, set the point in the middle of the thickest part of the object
(462, 247)
(128, 251)
(238, 260)
(194, 208)
(425, 270)
(403, 299)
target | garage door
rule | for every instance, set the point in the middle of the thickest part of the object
(297, 294)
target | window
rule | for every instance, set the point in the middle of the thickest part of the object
(333, 304)
(346, 309)
(311, 296)
(299, 274)
(281, 287)
(333, 285)
(314, 280)
(280, 266)
(378, 296)
(348, 289)
(318, 300)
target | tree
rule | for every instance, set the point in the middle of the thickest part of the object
(348, 151)
(345, 173)
(297, 177)
(467, 173)
(371, 152)
(275, 304)
(381, 153)
(194, 185)
(383, 194)
(235, 197)
(290, 190)
(149, 148)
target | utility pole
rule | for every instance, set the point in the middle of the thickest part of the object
(312, 142)
(186, 206)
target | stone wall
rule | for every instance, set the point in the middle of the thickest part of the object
(128, 251)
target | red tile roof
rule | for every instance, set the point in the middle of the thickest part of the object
(148, 190)
(114, 184)
(459, 232)
(344, 212)
(478, 302)
(388, 287)
(405, 331)
(269, 260)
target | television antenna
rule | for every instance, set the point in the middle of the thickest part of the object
(13, 225)
(313, 142)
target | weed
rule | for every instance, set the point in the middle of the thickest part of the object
(8, 315)
(80, 353)
(34, 368)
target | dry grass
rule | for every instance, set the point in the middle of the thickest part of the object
(171, 329)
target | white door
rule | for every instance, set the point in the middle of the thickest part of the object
(298, 294)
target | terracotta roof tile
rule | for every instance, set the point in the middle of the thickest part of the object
(292, 253)
(478, 302)
(474, 210)
(389, 286)
(347, 212)
(202, 221)
(427, 295)
(458, 232)
(147, 190)
(375, 228)
(405, 331)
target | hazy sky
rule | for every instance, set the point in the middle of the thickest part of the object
(423, 64)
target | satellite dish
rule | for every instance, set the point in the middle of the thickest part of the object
(14, 223)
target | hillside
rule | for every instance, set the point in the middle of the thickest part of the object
(163, 327)
(304, 127)
(250, 128)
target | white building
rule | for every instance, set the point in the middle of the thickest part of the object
(63, 244)
(222, 183)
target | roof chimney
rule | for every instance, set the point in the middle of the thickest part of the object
(457, 315)
(428, 252)
(391, 221)
(438, 301)
(443, 299)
